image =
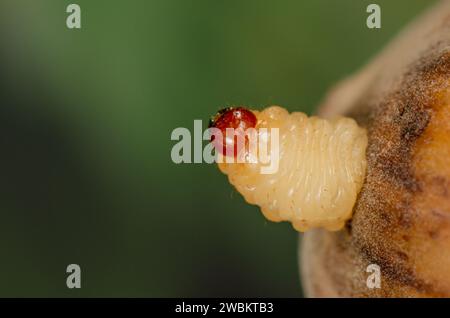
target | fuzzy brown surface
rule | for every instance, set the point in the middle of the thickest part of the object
(401, 220)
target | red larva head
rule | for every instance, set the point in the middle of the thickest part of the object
(238, 118)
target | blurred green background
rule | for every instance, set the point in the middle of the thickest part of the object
(85, 123)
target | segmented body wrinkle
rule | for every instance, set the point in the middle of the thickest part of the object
(321, 169)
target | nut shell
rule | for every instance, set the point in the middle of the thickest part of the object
(401, 219)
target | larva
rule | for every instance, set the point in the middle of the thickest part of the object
(321, 170)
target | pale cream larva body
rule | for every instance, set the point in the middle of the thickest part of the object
(320, 172)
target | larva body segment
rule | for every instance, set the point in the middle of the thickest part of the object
(321, 170)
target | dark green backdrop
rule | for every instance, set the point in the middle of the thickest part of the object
(85, 123)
